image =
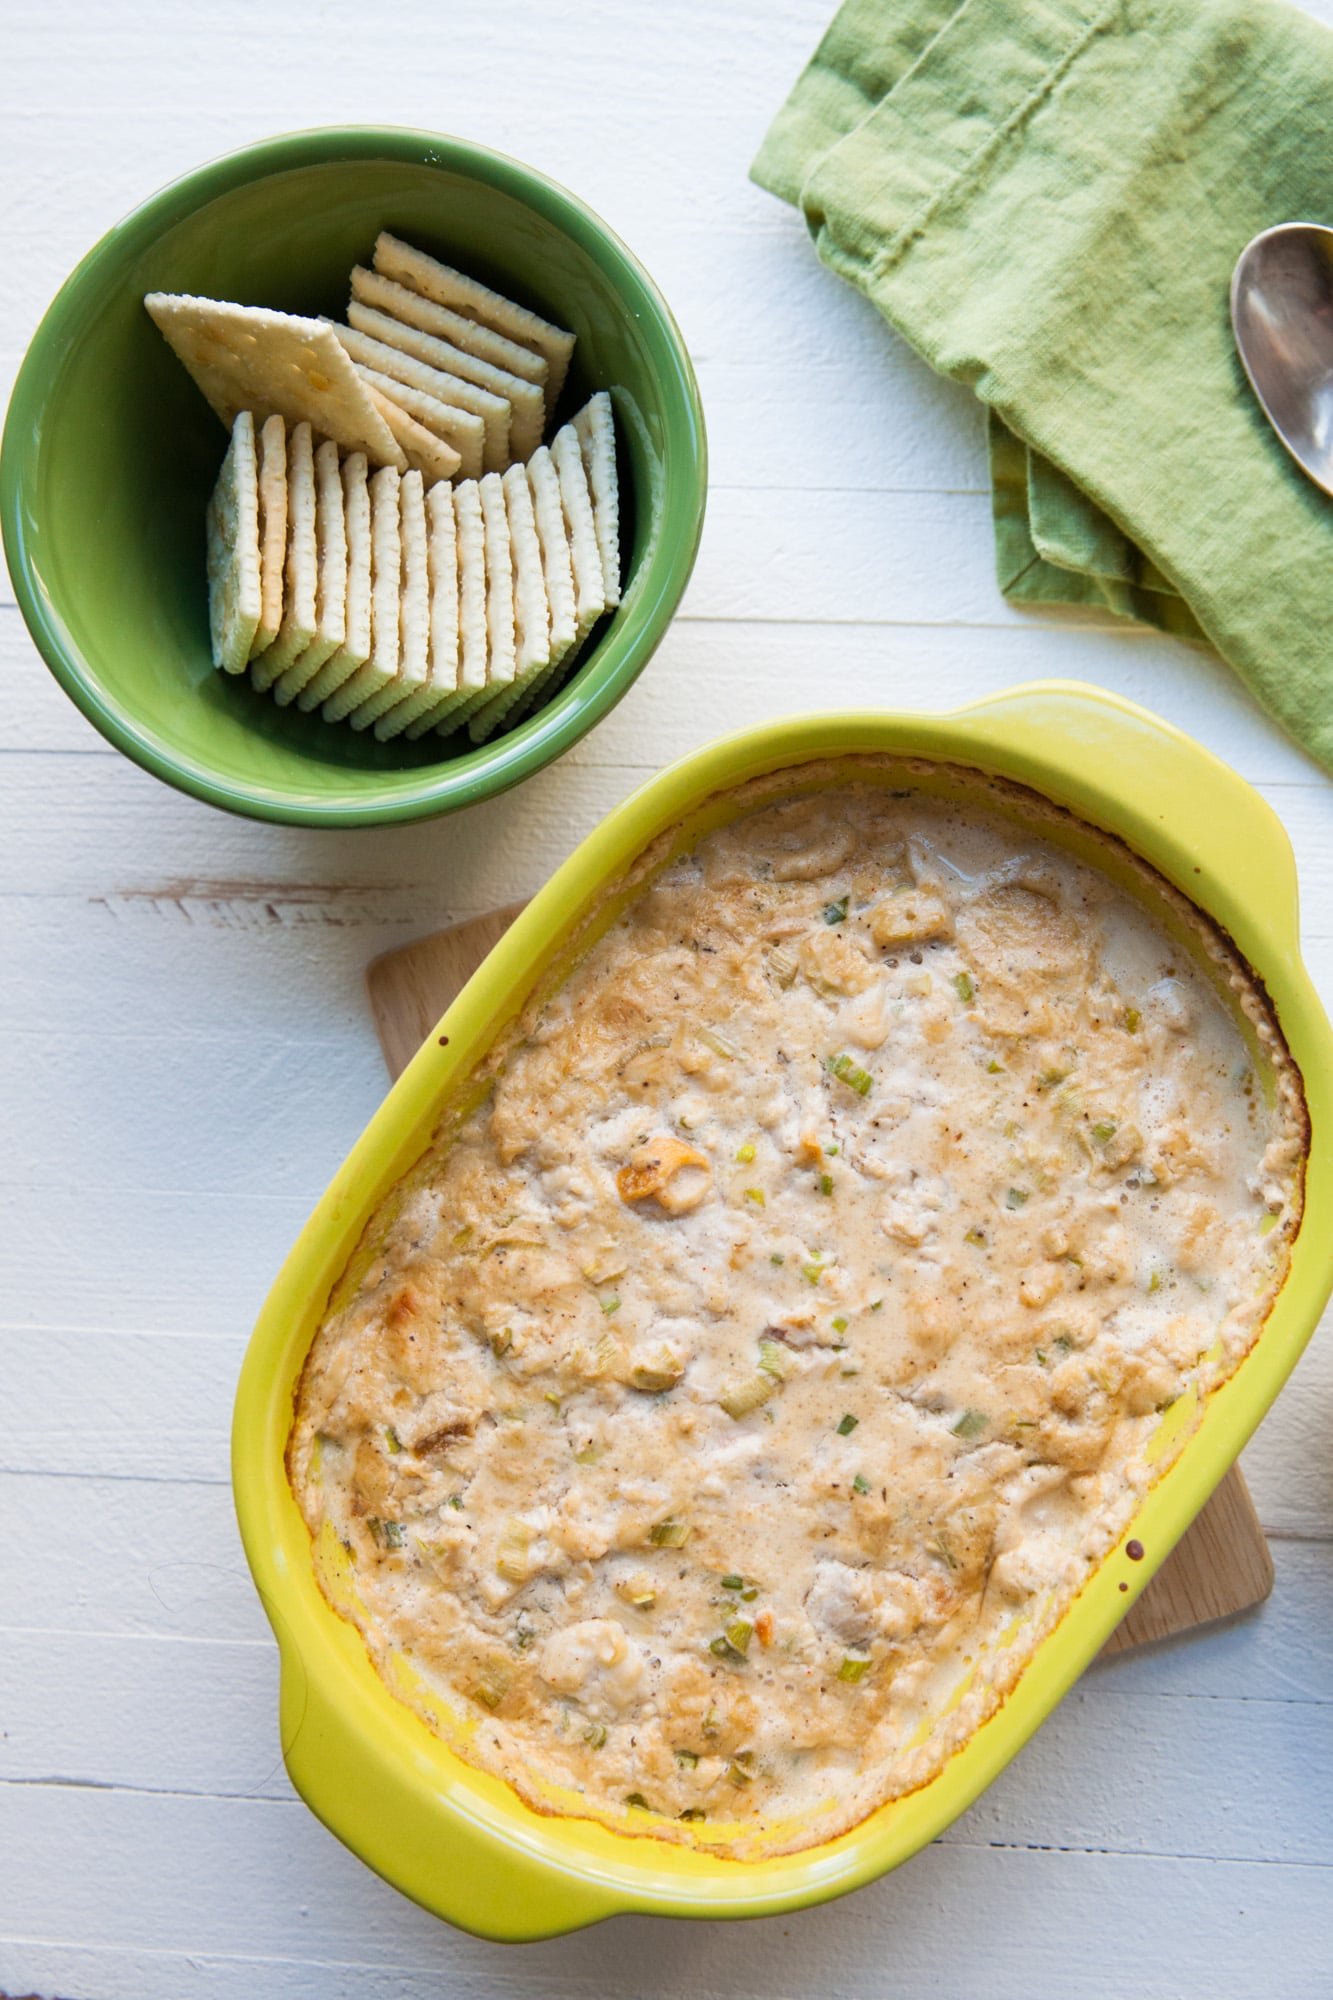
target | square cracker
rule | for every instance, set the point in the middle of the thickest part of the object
(302, 569)
(409, 267)
(331, 569)
(470, 690)
(413, 358)
(272, 531)
(410, 309)
(274, 363)
(475, 571)
(355, 648)
(585, 560)
(430, 415)
(584, 554)
(425, 450)
(501, 653)
(557, 567)
(386, 590)
(413, 673)
(594, 426)
(235, 597)
(532, 619)
(448, 287)
(543, 685)
(421, 391)
(441, 689)
(558, 572)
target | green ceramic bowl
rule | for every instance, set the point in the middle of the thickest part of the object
(110, 453)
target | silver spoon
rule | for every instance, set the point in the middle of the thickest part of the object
(1282, 314)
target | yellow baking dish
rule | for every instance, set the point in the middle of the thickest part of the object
(462, 1843)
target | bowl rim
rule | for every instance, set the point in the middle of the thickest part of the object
(460, 1842)
(493, 767)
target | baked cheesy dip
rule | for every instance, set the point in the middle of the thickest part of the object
(706, 1434)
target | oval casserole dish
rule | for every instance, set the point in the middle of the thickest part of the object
(461, 1842)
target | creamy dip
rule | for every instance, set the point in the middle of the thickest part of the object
(712, 1426)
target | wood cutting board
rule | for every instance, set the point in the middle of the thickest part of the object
(1221, 1566)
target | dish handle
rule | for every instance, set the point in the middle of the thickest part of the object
(385, 1808)
(1187, 804)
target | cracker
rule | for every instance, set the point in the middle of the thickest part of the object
(486, 719)
(412, 268)
(410, 309)
(470, 690)
(543, 685)
(441, 688)
(355, 648)
(594, 426)
(386, 590)
(584, 554)
(331, 588)
(301, 571)
(275, 364)
(585, 561)
(467, 295)
(502, 656)
(557, 568)
(558, 571)
(414, 358)
(429, 415)
(471, 589)
(235, 592)
(532, 620)
(425, 451)
(547, 683)
(272, 531)
(440, 402)
(413, 673)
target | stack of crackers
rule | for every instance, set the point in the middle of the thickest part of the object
(389, 540)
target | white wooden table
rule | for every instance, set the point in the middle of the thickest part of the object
(186, 1054)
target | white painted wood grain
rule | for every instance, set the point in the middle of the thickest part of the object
(242, 1888)
(124, 1555)
(185, 1055)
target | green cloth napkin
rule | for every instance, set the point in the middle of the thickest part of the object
(1047, 197)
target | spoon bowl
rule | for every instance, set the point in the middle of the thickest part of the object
(1282, 315)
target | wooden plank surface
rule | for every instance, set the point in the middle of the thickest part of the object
(411, 987)
(1221, 1565)
(187, 1055)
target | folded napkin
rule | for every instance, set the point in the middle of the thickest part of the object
(1047, 197)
